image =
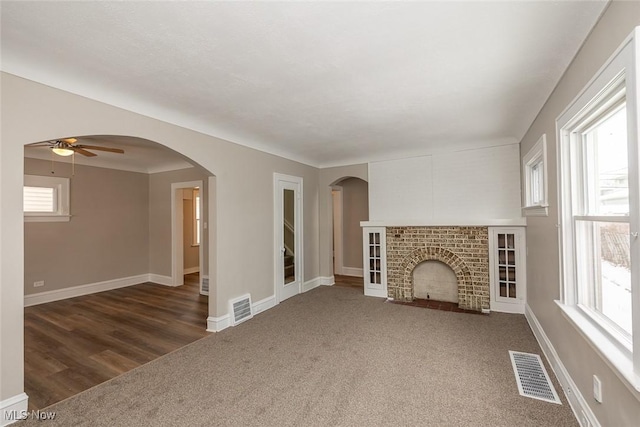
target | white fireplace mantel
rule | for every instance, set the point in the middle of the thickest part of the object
(445, 222)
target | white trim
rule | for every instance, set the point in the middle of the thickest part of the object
(578, 404)
(192, 270)
(47, 218)
(311, 284)
(177, 242)
(263, 305)
(160, 279)
(17, 405)
(76, 291)
(352, 271)
(217, 324)
(512, 222)
(535, 211)
(327, 280)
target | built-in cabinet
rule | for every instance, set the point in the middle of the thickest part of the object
(507, 269)
(374, 265)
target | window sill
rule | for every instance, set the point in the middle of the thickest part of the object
(619, 359)
(47, 218)
(539, 210)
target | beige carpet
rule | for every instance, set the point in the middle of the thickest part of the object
(330, 357)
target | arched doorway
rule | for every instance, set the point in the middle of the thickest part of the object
(350, 206)
(118, 238)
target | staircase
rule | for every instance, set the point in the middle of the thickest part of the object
(289, 267)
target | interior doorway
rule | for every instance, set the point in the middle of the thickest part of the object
(350, 198)
(187, 199)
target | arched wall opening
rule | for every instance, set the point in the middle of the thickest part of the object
(125, 227)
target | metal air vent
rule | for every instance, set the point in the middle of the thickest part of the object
(240, 309)
(532, 378)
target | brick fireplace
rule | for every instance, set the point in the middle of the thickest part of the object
(465, 249)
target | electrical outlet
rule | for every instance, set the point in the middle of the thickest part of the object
(38, 284)
(597, 389)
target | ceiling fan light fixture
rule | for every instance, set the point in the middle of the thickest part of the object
(62, 151)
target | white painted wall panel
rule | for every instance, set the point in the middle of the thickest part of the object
(401, 189)
(476, 184)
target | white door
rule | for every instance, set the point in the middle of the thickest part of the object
(374, 261)
(507, 269)
(288, 236)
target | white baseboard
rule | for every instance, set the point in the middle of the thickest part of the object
(217, 324)
(13, 409)
(311, 284)
(263, 304)
(352, 271)
(318, 281)
(327, 280)
(76, 291)
(192, 270)
(503, 307)
(160, 279)
(581, 409)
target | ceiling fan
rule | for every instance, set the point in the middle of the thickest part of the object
(68, 146)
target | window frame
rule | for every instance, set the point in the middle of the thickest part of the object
(60, 185)
(537, 155)
(623, 357)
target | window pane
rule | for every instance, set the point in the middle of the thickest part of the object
(607, 174)
(39, 199)
(535, 180)
(604, 272)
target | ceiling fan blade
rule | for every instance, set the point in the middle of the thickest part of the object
(109, 149)
(83, 151)
(69, 140)
(40, 144)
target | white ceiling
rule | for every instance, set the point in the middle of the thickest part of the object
(325, 83)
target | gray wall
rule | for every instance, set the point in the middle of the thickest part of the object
(620, 407)
(355, 208)
(106, 238)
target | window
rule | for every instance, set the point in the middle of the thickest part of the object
(599, 214)
(45, 198)
(196, 216)
(535, 179)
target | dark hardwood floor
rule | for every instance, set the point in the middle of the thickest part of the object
(351, 281)
(75, 344)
